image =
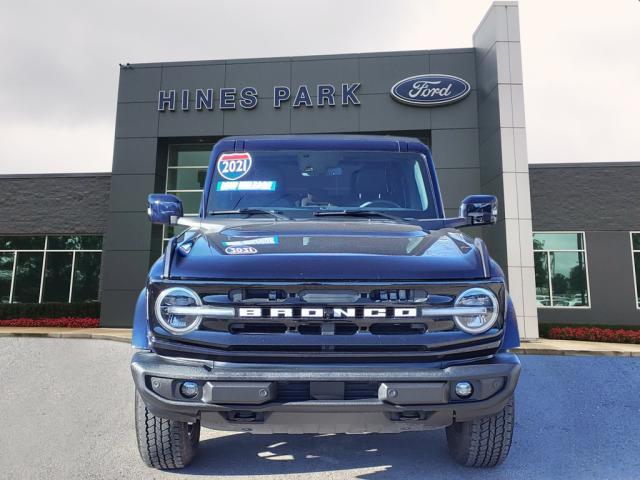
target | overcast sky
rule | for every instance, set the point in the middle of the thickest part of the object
(59, 64)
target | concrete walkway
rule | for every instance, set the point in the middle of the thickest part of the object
(542, 346)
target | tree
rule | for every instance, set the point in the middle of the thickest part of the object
(560, 284)
(578, 282)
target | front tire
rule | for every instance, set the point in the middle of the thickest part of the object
(485, 441)
(165, 444)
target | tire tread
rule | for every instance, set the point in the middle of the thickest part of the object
(485, 441)
(163, 443)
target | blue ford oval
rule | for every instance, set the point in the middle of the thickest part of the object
(430, 90)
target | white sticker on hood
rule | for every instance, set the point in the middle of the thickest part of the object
(240, 250)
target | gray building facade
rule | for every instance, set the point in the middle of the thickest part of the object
(65, 203)
(568, 235)
(51, 232)
(166, 110)
(595, 201)
(600, 202)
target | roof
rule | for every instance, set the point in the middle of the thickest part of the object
(53, 175)
(325, 142)
(297, 58)
(538, 166)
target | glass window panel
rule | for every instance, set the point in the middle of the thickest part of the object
(186, 178)
(74, 242)
(569, 279)
(190, 201)
(91, 242)
(557, 241)
(57, 277)
(543, 297)
(635, 238)
(86, 277)
(20, 242)
(173, 230)
(26, 285)
(636, 259)
(6, 272)
(189, 155)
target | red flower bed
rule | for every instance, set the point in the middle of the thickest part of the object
(51, 322)
(594, 334)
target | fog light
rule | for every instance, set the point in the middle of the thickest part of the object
(189, 389)
(464, 389)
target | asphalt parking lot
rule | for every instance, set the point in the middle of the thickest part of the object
(67, 412)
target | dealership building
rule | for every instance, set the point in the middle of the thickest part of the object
(565, 235)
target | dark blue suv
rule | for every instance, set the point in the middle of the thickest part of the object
(322, 290)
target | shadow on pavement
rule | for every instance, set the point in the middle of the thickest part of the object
(406, 455)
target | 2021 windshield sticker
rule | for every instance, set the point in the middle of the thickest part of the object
(233, 166)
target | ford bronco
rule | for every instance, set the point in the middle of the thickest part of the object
(321, 289)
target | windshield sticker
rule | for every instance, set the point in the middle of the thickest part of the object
(234, 166)
(240, 250)
(268, 185)
(252, 241)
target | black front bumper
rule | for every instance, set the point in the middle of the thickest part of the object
(331, 398)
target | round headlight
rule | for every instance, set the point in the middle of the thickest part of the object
(485, 310)
(171, 299)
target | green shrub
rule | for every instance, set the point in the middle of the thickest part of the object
(49, 310)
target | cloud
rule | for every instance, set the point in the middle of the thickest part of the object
(580, 80)
(59, 71)
(39, 147)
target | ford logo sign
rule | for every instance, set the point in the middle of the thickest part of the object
(430, 90)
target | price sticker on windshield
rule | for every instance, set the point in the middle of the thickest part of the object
(233, 166)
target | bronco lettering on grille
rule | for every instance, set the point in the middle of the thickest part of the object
(320, 312)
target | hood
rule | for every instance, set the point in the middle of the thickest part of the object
(310, 250)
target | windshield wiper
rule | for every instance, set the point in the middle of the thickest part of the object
(357, 213)
(250, 211)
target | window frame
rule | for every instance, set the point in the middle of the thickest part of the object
(429, 211)
(548, 255)
(633, 266)
(44, 252)
(165, 239)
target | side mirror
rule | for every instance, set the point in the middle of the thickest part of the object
(164, 208)
(479, 210)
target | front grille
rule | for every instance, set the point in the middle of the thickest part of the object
(317, 328)
(398, 328)
(313, 295)
(257, 333)
(457, 349)
(329, 348)
(257, 328)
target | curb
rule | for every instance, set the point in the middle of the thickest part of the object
(574, 353)
(527, 348)
(90, 336)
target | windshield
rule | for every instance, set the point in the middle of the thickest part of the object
(303, 182)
